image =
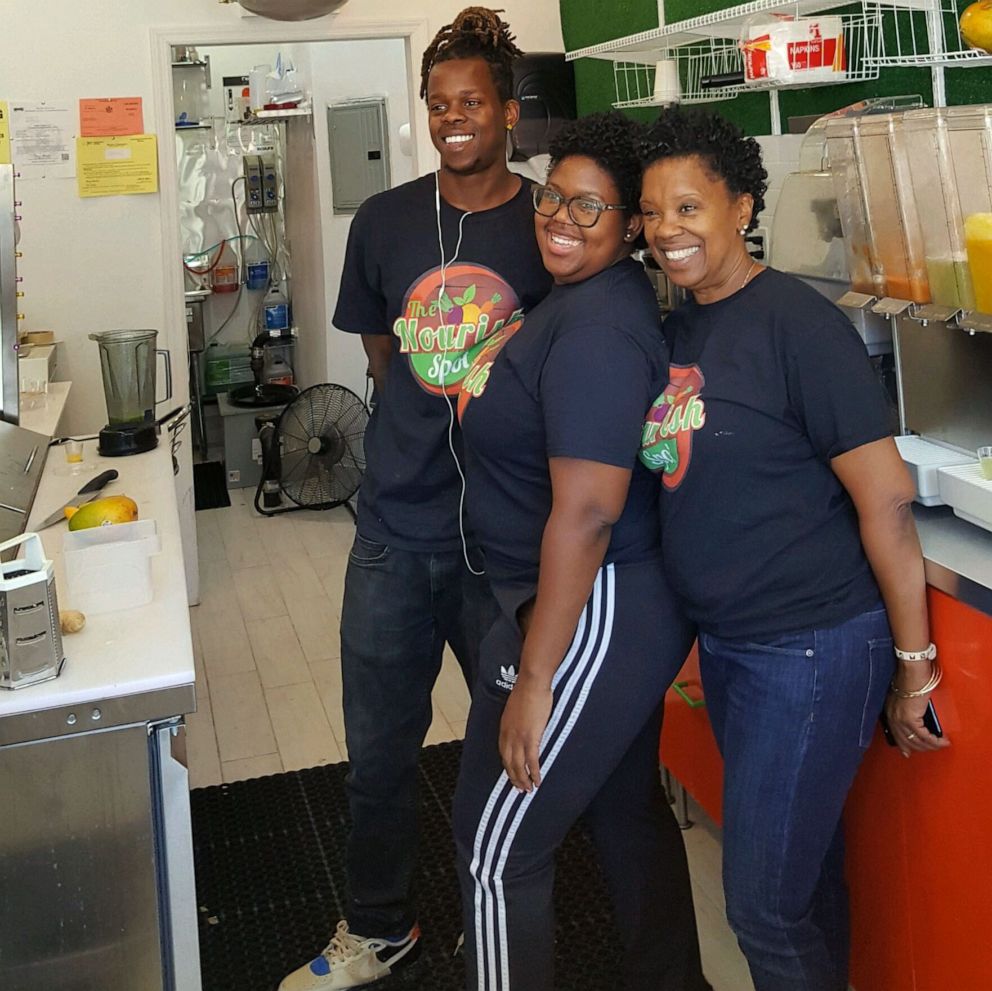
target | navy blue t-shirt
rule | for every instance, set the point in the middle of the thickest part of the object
(766, 386)
(572, 382)
(391, 284)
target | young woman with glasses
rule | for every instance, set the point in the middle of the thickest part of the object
(567, 706)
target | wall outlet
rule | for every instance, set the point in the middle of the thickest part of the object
(234, 475)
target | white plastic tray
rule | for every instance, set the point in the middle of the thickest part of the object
(923, 458)
(968, 493)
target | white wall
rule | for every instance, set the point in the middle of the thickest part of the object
(342, 71)
(98, 263)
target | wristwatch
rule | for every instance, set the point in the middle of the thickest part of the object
(929, 654)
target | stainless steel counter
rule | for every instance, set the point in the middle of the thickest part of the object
(958, 556)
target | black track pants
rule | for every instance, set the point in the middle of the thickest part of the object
(599, 756)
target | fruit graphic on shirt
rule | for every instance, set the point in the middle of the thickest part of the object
(102, 512)
(976, 25)
(442, 332)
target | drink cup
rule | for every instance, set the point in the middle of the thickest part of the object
(985, 462)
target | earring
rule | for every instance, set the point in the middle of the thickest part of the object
(509, 127)
(743, 231)
(628, 236)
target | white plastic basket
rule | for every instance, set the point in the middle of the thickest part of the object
(109, 567)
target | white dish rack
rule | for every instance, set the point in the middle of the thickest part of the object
(923, 458)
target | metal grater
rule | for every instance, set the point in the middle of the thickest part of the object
(30, 634)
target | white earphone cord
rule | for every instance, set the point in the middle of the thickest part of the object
(444, 360)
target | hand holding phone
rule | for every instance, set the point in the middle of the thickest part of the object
(930, 722)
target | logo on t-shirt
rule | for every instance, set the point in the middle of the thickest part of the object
(666, 441)
(508, 677)
(442, 333)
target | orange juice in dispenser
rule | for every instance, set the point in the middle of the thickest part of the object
(893, 221)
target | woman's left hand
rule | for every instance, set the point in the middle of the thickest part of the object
(905, 717)
(525, 717)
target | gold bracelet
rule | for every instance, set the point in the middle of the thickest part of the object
(930, 654)
(925, 690)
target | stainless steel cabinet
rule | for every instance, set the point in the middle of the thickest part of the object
(96, 873)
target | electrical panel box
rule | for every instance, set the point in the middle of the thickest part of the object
(261, 184)
(358, 140)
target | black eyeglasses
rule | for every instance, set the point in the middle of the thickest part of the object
(584, 210)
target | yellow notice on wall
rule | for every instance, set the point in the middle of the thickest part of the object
(117, 166)
(4, 133)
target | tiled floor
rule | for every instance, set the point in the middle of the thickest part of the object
(265, 636)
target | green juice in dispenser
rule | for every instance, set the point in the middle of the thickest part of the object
(950, 282)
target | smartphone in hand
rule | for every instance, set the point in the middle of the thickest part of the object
(930, 722)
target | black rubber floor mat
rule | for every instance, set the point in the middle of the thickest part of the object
(209, 486)
(270, 883)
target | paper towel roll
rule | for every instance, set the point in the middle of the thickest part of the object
(666, 81)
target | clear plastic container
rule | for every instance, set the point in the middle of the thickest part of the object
(893, 221)
(807, 238)
(969, 132)
(936, 187)
(109, 567)
(865, 272)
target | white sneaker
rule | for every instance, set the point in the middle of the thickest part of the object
(351, 961)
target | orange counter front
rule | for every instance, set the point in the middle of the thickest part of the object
(919, 831)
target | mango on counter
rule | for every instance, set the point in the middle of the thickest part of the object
(102, 512)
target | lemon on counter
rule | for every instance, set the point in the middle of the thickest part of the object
(102, 512)
(976, 25)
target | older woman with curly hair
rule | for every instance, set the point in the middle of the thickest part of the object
(567, 707)
(788, 535)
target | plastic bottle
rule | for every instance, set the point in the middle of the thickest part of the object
(256, 265)
(275, 310)
(277, 369)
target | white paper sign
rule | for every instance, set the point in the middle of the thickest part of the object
(42, 140)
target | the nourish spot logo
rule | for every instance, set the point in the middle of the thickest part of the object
(666, 441)
(442, 333)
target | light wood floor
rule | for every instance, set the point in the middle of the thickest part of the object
(268, 678)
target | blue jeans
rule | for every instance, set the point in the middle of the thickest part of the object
(792, 717)
(400, 608)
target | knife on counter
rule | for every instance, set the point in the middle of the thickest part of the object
(89, 491)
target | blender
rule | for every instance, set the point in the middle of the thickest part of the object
(127, 360)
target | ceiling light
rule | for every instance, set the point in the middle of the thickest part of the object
(291, 10)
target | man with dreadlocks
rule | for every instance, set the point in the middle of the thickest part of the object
(434, 270)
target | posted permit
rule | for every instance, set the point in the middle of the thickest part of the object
(120, 166)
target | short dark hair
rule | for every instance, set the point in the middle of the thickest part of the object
(477, 32)
(613, 142)
(724, 149)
